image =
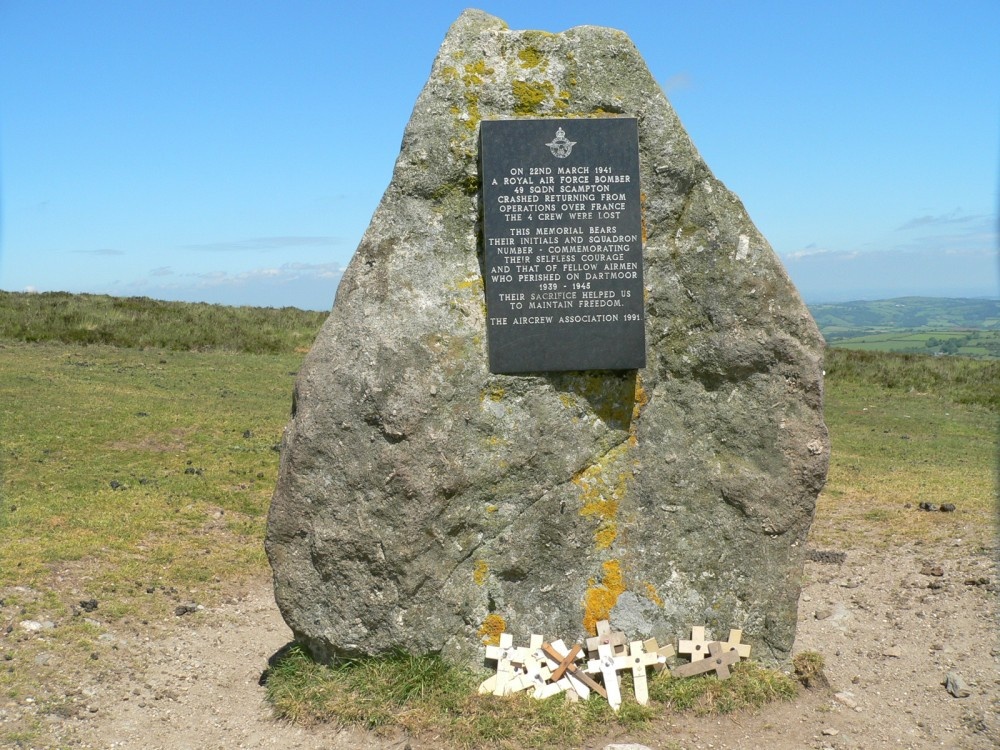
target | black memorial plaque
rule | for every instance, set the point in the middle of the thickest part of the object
(562, 230)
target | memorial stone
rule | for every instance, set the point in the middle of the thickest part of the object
(444, 480)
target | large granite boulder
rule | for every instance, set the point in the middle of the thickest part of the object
(425, 504)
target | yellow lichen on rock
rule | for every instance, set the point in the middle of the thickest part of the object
(531, 57)
(641, 399)
(605, 535)
(603, 484)
(600, 598)
(494, 393)
(474, 73)
(480, 571)
(653, 595)
(491, 629)
(467, 294)
(529, 97)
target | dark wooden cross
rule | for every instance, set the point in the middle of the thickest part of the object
(719, 659)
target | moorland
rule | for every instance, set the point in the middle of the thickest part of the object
(139, 448)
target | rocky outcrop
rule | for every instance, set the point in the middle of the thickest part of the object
(426, 504)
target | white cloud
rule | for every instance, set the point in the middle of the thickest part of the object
(952, 217)
(812, 251)
(285, 273)
(310, 286)
(677, 82)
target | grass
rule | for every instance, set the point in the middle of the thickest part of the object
(424, 695)
(808, 666)
(969, 344)
(138, 322)
(147, 466)
(906, 430)
(140, 475)
(139, 478)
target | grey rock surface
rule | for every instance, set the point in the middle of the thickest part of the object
(426, 504)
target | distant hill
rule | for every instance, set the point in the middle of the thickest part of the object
(909, 313)
(910, 325)
(139, 322)
(924, 325)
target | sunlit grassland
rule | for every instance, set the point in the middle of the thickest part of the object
(139, 467)
(139, 479)
(154, 467)
(900, 436)
(138, 322)
(130, 470)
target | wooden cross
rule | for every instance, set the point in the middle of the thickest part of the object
(530, 669)
(545, 689)
(505, 655)
(497, 684)
(652, 647)
(733, 644)
(719, 660)
(582, 682)
(538, 674)
(569, 657)
(640, 659)
(616, 639)
(608, 665)
(697, 647)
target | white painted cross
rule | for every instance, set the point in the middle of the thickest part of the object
(608, 665)
(733, 644)
(652, 647)
(697, 647)
(503, 655)
(616, 639)
(639, 659)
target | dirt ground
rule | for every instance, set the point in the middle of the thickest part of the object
(890, 625)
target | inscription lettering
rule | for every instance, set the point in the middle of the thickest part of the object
(578, 249)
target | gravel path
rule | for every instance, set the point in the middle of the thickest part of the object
(891, 627)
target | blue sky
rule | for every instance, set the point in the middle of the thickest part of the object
(234, 152)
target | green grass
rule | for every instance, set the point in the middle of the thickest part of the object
(426, 696)
(972, 344)
(149, 465)
(188, 438)
(139, 478)
(960, 380)
(906, 430)
(138, 322)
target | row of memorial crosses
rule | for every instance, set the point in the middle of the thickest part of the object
(551, 668)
